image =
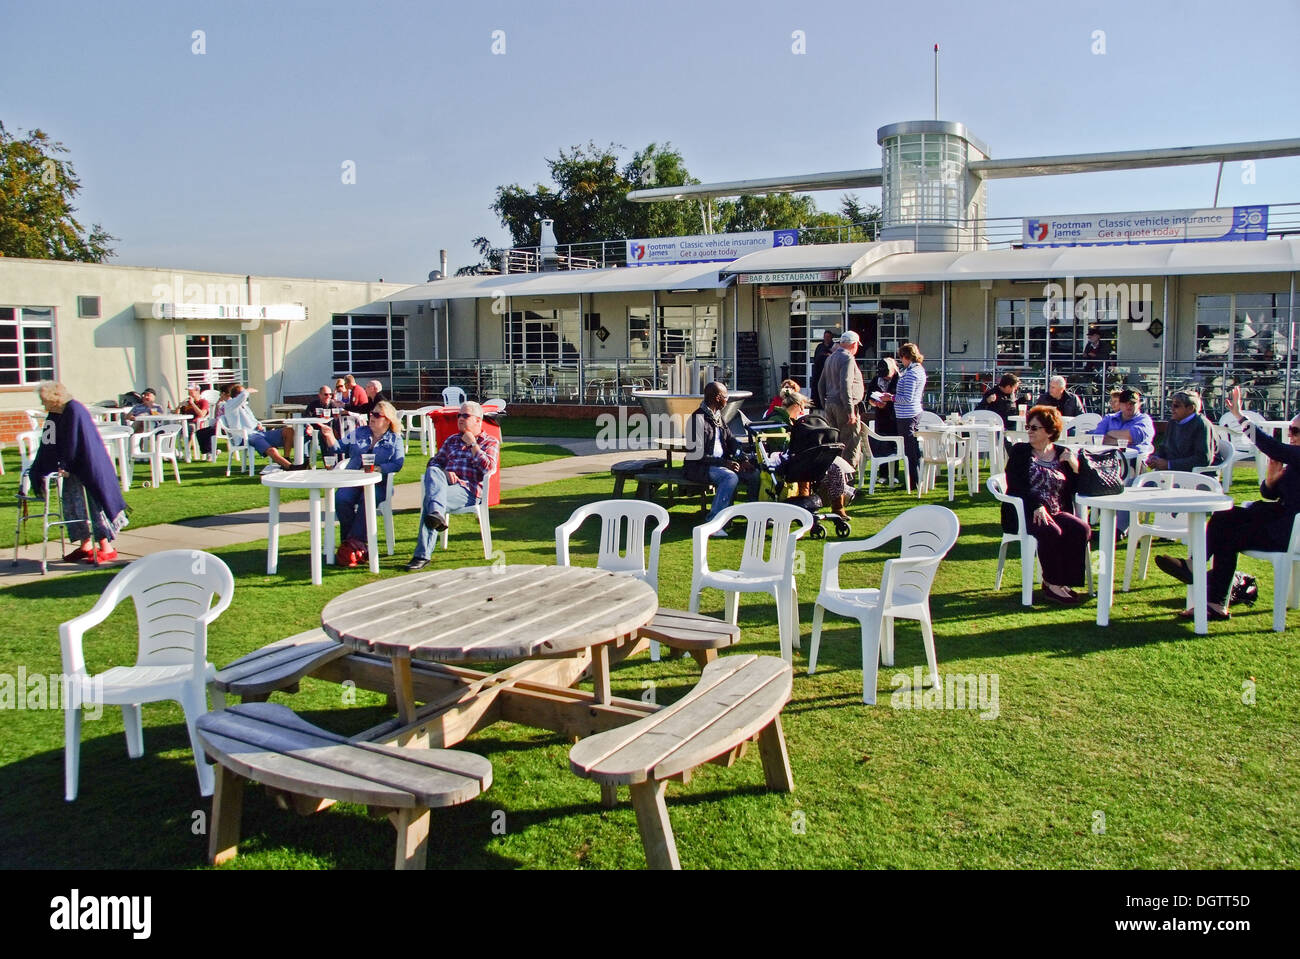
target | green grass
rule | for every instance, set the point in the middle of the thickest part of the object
(1142, 721)
(205, 490)
(553, 426)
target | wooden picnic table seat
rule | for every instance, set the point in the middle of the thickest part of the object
(272, 745)
(650, 480)
(701, 636)
(738, 698)
(277, 666)
(627, 469)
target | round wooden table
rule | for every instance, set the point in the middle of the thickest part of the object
(314, 481)
(490, 613)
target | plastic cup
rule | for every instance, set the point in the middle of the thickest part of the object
(1022, 409)
(1121, 443)
(330, 460)
(368, 462)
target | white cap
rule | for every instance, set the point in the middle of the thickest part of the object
(849, 338)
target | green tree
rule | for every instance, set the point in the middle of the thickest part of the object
(36, 194)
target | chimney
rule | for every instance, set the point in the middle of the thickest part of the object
(442, 259)
(546, 247)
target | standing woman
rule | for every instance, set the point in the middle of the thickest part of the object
(907, 404)
(885, 423)
(382, 435)
(1045, 475)
(70, 443)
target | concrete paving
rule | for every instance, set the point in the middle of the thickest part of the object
(212, 532)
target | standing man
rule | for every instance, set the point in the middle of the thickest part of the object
(455, 478)
(1057, 396)
(842, 390)
(907, 404)
(1188, 441)
(1095, 353)
(820, 356)
(713, 455)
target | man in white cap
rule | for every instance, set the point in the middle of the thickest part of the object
(841, 390)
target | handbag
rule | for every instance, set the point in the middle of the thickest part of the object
(1101, 472)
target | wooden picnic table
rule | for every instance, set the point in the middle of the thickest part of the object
(560, 621)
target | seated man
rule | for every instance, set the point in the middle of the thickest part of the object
(1262, 525)
(1001, 399)
(1188, 441)
(1057, 396)
(1129, 424)
(324, 400)
(196, 406)
(147, 406)
(455, 478)
(713, 455)
(239, 417)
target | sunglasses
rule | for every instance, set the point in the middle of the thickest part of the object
(378, 416)
(1293, 430)
(1035, 429)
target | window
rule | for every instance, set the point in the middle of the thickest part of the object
(1022, 332)
(1247, 329)
(360, 345)
(26, 345)
(543, 336)
(690, 331)
(638, 331)
(216, 358)
(88, 307)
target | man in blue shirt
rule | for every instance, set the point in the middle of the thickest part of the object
(1129, 424)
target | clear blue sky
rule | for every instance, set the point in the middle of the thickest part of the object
(232, 160)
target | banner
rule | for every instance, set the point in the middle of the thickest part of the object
(1160, 226)
(705, 249)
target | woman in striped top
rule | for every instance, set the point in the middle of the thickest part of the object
(907, 403)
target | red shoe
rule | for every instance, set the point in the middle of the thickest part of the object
(101, 556)
(78, 555)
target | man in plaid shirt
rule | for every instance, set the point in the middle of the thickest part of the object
(454, 479)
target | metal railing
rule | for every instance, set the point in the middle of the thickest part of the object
(990, 233)
(595, 383)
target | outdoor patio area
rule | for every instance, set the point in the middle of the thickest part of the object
(1137, 745)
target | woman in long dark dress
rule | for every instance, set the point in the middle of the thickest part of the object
(1045, 476)
(885, 423)
(70, 443)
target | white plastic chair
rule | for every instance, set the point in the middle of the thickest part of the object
(869, 460)
(929, 420)
(1225, 458)
(453, 396)
(1286, 576)
(173, 593)
(762, 570)
(988, 445)
(1143, 530)
(494, 407)
(237, 446)
(27, 443)
(622, 525)
(926, 534)
(1242, 447)
(418, 423)
(940, 448)
(385, 510)
(479, 509)
(1083, 424)
(997, 486)
(156, 446)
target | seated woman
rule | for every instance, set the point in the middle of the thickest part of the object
(834, 486)
(1045, 475)
(778, 401)
(382, 436)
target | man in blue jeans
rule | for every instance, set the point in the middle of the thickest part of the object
(713, 455)
(454, 479)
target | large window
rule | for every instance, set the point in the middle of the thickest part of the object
(361, 347)
(216, 358)
(690, 331)
(544, 337)
(26, 345)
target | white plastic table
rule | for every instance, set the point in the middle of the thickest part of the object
(315, 481)
(1196, 505)
(973, 432)
(158, 419)
(298, 423)
(121, 435)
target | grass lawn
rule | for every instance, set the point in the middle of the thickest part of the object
(205, 489)
(553, 426)
(1125, 747)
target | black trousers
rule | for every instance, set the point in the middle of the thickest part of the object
(1259, 525)
(906, 428)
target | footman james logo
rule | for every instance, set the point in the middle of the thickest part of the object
(1037, 231)
(638, 251)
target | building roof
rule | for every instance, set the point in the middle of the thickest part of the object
(690, 276)
(1172, 259)
(821, 256)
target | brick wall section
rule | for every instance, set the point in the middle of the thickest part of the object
(13, 422)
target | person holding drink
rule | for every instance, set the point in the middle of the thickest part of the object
(375, 446)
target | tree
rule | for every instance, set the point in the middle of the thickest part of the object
(36, 194)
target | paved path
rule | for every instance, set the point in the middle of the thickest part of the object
(212, 532)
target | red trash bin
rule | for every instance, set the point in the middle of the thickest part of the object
(444, 427)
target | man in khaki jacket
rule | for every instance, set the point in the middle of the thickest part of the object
(841, 390)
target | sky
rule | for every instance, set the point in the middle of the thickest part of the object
(229, 151)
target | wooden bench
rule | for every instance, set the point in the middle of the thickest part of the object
(272, 745)
(627, 469)
(274, 667)
(648, 481)
(737, 699)
(701, 636)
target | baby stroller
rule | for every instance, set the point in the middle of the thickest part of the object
(812, 451)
